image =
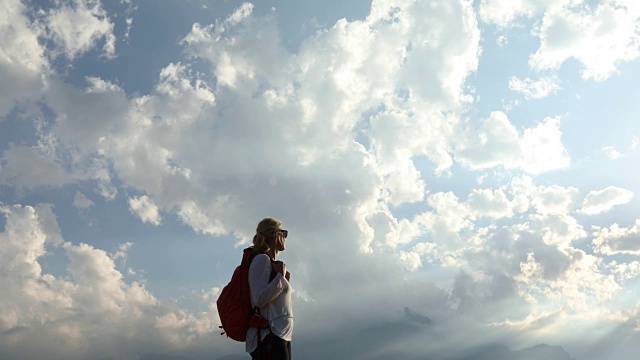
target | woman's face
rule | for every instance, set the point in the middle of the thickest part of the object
(280, 240)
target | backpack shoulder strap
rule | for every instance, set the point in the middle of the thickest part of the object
(248, 256)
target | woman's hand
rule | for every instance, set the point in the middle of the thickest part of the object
(279, 267)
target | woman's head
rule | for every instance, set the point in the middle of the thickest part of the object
(269, 233)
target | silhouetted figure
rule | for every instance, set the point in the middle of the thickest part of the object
(271, 293)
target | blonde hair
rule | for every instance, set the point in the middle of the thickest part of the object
(259, 240)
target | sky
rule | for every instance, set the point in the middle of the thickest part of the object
(458, 177)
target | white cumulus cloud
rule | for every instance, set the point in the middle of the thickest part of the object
(145, 209)
(617, 240)
(69, 317)
(599, 37)
(535, 89)
(497, 142)
(612, 152)
(505, 12)
(485, 202)
(599, 201)
(23, 63)
(78, 25)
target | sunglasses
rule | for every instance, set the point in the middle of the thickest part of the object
(282, 231)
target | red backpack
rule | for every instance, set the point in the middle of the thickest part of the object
(234, 303)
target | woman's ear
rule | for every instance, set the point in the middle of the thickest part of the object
(271, 242)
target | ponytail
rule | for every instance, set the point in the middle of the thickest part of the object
(260, 244)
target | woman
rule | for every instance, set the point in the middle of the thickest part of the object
(271, 293)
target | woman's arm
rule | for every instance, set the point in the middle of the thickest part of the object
(263, 291)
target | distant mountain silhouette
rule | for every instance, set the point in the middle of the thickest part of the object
(396, 339)
(544, 351)
(162, 357)
(482, 352)
(234, 357)
(370, 338)
(409, 337)
(501, 352)
(170, 357)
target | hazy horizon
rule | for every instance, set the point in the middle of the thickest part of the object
(458, 178)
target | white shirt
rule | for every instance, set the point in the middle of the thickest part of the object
(274, 300)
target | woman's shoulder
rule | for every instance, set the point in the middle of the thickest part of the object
(261, 258)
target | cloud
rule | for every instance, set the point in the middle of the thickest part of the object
(22, 59)
(559, 230)
(240, 13)
(494, 204)
(617, 240)
(599, 201)
(25, 167)
(625, 271)
(553, 199)
(528, 259)
(497, 142)
(532, 321)
(99, 171)
(85, 116)
(451, 234)
(534, 89)
(599, 38)
(81, 201)
(612, 152)
(541, 268)
(91, 310)
(145, 209)
(48, 223)
(187, 173)
(543, 149)
(78, 25)
(413, 259)
(121, 253)
(505, 12)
